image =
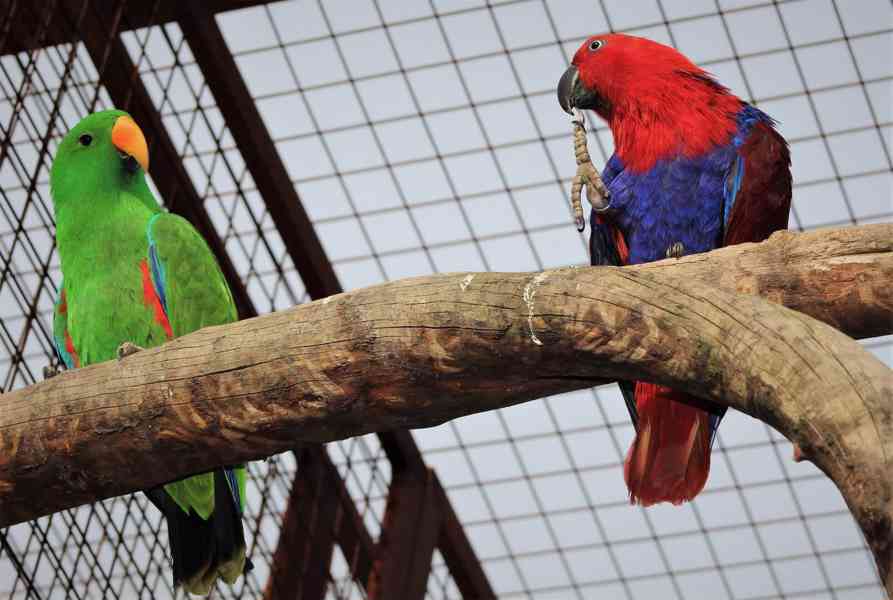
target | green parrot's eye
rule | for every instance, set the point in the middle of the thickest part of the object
(85, 139)
(596, 44)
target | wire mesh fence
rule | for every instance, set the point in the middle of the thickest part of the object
(117, 548)
(424, 137)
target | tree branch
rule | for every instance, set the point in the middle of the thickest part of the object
(417, 352)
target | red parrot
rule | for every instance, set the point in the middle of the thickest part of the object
(694, 168)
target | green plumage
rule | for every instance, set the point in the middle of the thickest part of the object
(116, 291)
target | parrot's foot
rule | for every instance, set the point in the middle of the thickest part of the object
(126, 349)
(596, 191)
(51, 370)
(677, 250)
(798, 454)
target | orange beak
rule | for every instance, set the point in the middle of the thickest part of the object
(128, 138)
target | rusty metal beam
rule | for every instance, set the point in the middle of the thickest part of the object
(258, 150)
(459, 556)
(124, 86)
(409, 534)
(297, 232)
(320, 512)
(300, 569)
(9, 18)
(402, 451)
(140, 13)
(356, 544)
(454, 545)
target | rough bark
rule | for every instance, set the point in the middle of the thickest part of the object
(417, 352)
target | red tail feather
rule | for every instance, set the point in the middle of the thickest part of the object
(670, 458)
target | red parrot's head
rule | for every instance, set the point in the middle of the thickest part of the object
(656, 100)
(615, 68)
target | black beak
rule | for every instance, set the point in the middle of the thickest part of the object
(566, 86)
(130, 164)
(573, 94)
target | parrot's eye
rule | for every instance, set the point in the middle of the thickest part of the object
(596, 44)
(86, 139)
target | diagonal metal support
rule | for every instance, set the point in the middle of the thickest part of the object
(272, 180)
(59, 31)
(320, 512)
(258, 150)
(6, 25)
(307, 538)
(356, 544)
(413, 518)
(459, 555)
(454, 545)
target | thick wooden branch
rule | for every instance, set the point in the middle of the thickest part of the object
(417, 352)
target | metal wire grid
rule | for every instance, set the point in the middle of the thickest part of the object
(422, 139)
(81, 550)
(350, 117)
(523, 552)
(117, 548)
(343, 585)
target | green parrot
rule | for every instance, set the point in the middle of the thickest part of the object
(136, 276)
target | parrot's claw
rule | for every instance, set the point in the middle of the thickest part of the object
(51, 370)
(677, 250)
(596, 191)
(126, 349)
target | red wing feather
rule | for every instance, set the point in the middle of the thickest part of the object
(764, 199)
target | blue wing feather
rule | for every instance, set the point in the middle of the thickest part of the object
(233, 485)
(733, 184)
(156, 266)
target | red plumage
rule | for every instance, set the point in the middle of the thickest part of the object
(617, 237)
(670, 458)
(653, 93)
(151, 299)
(764, 199)
(69, 347)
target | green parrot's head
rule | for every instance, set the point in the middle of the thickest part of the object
(104, 152)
